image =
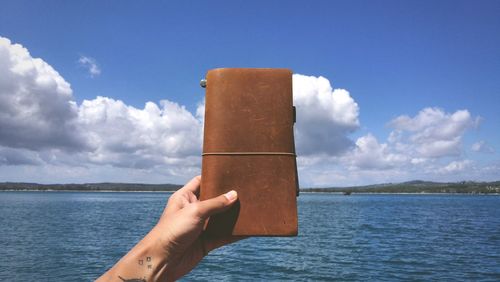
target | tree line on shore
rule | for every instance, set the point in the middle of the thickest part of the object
(417, 186)
(119, 187)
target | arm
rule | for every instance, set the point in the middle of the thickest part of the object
(175, 245)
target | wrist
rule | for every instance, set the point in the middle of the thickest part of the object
(145, 262)
(153, 250)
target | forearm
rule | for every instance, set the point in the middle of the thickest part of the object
(147, 261)
(175, 245)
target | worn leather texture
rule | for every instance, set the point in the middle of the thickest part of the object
(248, 112)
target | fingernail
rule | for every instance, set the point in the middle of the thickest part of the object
(231, 195)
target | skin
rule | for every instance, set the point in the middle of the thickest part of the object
(176, 244)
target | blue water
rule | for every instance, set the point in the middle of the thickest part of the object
(58, 236)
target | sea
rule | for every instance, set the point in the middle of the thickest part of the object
(77, 236)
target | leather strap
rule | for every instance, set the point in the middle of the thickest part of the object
(249, 153)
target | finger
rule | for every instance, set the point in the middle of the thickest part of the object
(216, 205)
(183, 196)
(192, 198)
(192, 186)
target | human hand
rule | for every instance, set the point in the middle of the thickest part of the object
(177, 243)
(182, 223)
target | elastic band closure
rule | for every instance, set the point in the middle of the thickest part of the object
(249, 153)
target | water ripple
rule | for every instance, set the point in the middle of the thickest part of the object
(77, 236)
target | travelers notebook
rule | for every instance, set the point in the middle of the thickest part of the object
(248, 146)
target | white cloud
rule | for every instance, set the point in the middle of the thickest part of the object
(419, 147)
(36, 104)
(129, 137)
(325, 116)
(46, 136)
(41, 124)
(370, 154)
(482, 147)
(420, 141)
(90, 64)
(456, 166)
(434, 133)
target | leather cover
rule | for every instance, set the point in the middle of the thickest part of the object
(248, 146)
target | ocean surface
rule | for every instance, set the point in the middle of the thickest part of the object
(69, 236)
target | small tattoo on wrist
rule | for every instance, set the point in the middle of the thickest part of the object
(149, 261)
(132, 279)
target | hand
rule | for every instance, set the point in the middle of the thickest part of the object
(182, 225)
(177, 243)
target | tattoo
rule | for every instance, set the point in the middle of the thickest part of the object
(132, 279)
(149, 260)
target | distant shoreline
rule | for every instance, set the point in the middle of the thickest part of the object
(92, 191)
(412, 187)
(301, 192)
(89, 187)
(402, 193)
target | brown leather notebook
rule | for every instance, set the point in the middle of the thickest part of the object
(248, 146)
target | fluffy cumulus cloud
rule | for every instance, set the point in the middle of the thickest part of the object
(325, 116)
(122, 135)
(429, 136)
(46, 136)
(427, 146)
(90, 64)
(434, 133)
(41, 124)
(36, 104)
(370, 154)
(456, 166)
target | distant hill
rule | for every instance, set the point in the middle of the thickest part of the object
(418, 186)
(415, 186)
(122, 187)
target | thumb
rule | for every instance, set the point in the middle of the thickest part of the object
(218, 204)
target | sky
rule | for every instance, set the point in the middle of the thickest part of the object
(386, 91)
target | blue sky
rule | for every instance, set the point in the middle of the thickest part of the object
(395, 58)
